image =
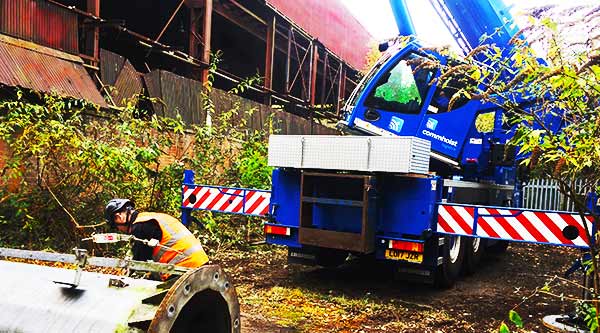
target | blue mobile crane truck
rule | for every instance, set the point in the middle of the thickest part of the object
(417, 184)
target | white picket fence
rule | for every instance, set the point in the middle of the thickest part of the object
(544, 194)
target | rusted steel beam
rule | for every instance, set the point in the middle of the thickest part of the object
(249, 12)
(341, 89)
(93, 7)
(78, 11)
(193, 42)
(170, 20)
(269, 55)
(206, 35)
(288, 61)
(313, 73)
(300, 71)
(234, 18)
(324, 79)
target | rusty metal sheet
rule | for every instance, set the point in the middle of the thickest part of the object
(27, 65)
(332, 24)
(110, 66)
(40, 22)
(179, 94)
(128, 84)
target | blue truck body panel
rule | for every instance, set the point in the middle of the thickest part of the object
(408, 206)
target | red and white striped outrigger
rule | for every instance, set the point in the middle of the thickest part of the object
(502, 223)
(515, 224)
(226, 199)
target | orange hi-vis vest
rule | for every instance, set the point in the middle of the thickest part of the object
(179, 246)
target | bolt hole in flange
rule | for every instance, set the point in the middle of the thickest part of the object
(187, 289)
(171, 311)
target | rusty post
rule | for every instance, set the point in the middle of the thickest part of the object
(206, 34)
(93, 7)
(288, 62)
(269, 54)
(193, 44)
(324, 79)
(313, 73)
(341, 89)
(193, 40)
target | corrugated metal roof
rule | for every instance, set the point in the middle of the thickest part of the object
(28, 65)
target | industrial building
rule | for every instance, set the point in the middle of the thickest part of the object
(308, 53)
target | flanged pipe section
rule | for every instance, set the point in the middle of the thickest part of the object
(36, 298)
(202, 300)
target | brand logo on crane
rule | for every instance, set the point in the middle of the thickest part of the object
(396, 124)
(431, 124)
(441, 138)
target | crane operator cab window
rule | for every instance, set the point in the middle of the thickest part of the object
(403, 88)
(447, 90)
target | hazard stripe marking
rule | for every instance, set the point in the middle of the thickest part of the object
(512, 224)
(228, 200)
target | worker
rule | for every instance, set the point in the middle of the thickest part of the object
(176, 244)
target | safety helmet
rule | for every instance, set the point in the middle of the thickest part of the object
(114, 206)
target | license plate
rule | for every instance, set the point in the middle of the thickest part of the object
(394, 254)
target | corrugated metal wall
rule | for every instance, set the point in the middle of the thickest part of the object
(182, 95)
(40, 22)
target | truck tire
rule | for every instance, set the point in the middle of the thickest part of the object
(330, 258)
(475, 249)
(453, 252)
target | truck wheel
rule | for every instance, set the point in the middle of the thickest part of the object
(475, 249)
(498, 247)
(453, 252)
(330, 258)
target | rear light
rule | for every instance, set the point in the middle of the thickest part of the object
(276, 230)
(472, 160)
(406, 246)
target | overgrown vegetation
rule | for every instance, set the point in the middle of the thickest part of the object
(540, 97)
(65, 159)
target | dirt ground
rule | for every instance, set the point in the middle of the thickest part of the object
(358, 297)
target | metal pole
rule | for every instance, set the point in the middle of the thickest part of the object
(341, 89)
(207, 31)
(288, 62)
(313, 74)
(324, 80)
(269, 54)
(93, 6)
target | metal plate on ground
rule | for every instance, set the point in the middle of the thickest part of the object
(353, 153)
